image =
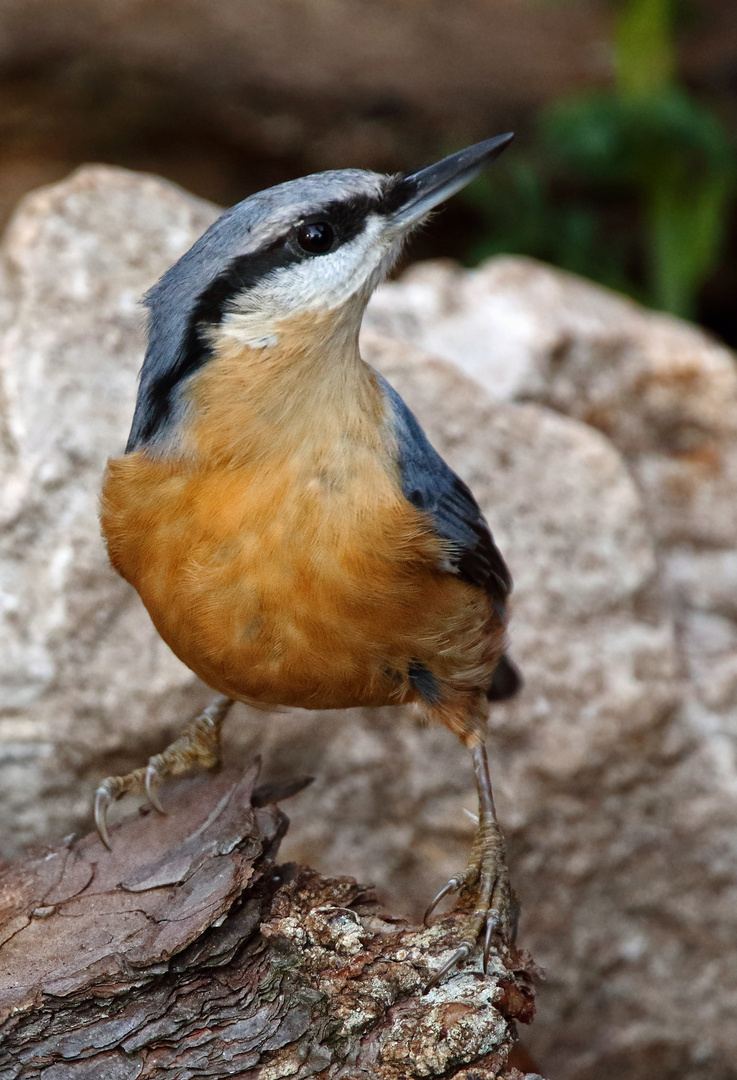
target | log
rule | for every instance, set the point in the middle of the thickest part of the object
(188, 951)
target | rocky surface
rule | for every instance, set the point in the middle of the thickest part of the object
(600, 440)
(662, 391)
(665, 395)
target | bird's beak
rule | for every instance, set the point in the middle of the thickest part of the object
(415, 195)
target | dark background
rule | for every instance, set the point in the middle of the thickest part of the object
(625, 113)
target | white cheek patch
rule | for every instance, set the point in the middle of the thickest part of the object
(319, 282)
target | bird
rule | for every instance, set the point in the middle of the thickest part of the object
(294, 536)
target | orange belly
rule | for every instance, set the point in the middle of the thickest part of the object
(277, 586)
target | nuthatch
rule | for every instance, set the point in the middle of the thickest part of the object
(294, 536)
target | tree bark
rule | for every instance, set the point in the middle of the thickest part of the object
(188, 952)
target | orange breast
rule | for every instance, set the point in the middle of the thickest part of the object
(281, 582)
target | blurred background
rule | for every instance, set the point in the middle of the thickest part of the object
(625, 110)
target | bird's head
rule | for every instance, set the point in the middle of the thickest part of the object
(313, 248)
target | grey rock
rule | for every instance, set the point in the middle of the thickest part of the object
(663, 391)
(83, 677)
(665, 394)
(612, 769)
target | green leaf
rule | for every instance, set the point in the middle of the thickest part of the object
(645, 58)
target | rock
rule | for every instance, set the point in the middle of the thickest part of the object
(665, 394)
(611, 769)
(662, 391)
(84, 678)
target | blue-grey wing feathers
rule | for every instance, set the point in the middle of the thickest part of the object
(432, 486)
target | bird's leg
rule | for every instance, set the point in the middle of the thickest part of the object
(199, 744)
(485, 878)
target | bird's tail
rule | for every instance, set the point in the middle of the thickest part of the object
(506, 681)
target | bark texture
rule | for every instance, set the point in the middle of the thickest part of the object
(186, 951)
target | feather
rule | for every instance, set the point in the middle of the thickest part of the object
(430, 485)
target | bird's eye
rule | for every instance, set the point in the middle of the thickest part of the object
(316, 238)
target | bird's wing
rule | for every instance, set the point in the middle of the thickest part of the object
(432, 486)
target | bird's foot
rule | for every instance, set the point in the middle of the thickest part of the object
(199, 744)
(485, 881)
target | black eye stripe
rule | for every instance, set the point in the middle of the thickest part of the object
(348, 217)
(212, 304)
(157, 395)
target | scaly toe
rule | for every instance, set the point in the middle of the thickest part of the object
(199, 744)
(463, 881)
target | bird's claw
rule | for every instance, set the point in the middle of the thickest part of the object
(492, 925)
(153, 779)
(109, 791)
(453, 885)
(199, 744)
(103, 798)
(460, 956)
(490, 918)
(114, 787)
(485, 879)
